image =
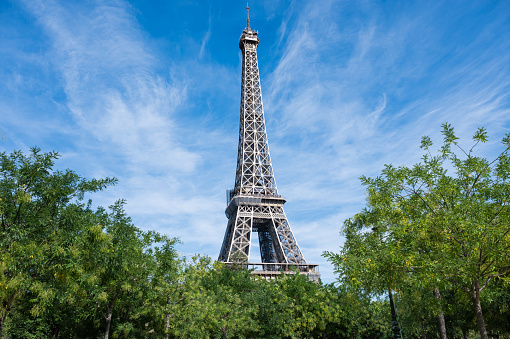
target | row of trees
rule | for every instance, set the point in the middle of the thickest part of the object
(71, 271)
(63, 264)
(438, 235)
(439, 244)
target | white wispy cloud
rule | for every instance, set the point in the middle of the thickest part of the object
(337, 107)
(205, 40)
(111, 85)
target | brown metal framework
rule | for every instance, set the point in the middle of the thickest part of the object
(254, 204)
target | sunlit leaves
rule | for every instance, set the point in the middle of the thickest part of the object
(41, 219)
(480, 135)
(426, 227)
(426, 142)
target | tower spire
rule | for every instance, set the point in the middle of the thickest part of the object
(247, 16)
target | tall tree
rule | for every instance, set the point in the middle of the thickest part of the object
(118, 264)
(164, 295)
(39, 209)
(442, 229)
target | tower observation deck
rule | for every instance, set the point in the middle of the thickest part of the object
(254, 205)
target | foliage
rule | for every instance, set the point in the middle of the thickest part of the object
(41, 217)
(70, 271)
(231, 302)
(64, 266)
(425, 229)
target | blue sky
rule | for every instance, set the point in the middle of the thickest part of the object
(149, 91)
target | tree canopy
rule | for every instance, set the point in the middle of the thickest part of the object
(442, 224)
(435, 241)
(70, 270)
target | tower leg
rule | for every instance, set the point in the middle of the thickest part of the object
(237, 241)
(277, 242)
(287, 244)
(227, 240)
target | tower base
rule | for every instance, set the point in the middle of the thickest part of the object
(273, 270)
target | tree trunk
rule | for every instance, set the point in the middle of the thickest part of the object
(167, 325)
(394, 323)
(55, 332)
(108, 321)
(424, 336)
(7, 308)
(440, 317)
(475, 299)
(464, 333)
(2, 321)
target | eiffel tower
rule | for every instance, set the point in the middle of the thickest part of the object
(254, 204)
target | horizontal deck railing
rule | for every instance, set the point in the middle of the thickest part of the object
(277, 267)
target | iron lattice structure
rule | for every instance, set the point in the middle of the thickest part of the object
(254, 204)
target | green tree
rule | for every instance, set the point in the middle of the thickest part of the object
(39, 209)
(216, 301)
(310, 306)
(438, 230)
(119, 263)
(163, 296)
(67, 270)
(368, 264)
(496, 305)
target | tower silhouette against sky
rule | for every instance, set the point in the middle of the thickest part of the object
(254, 204)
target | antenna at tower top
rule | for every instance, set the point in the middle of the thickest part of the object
(247, 16)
